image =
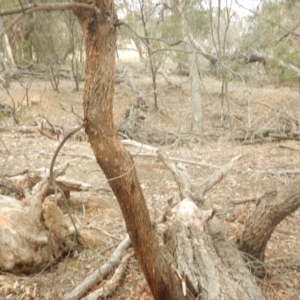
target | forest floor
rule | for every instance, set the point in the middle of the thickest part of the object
(261, 169)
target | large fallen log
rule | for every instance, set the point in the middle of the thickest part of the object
(34, 233)
(209, 265)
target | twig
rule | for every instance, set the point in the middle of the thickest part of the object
(53, 183)
(287, 147)
(216, 177)
(60, 146)
(181, 177)
(155, 151)
(111, 285)
(237, 202)
(100, 273)
(279, 172)
(104, 231)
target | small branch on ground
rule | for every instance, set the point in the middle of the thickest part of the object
(112, 284)
(154, 153)
(100, 273)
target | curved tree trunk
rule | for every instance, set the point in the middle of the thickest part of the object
(117, 164)
(272, 208)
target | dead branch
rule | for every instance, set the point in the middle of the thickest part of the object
(166, 77)
(25, 182)
(134, 89)
(59, 147)
(113, 283)
(180, 174)
(202, 51)
(232, 258)
(102, 230)
(216, 177)
(100, 273)
(183, 181)
(279, 172)
(154, 151)
(269, 135)
(287, 147)
(139, 145)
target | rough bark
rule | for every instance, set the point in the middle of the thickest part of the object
(213, 267)
(270, 211)
(33, 233)
(117, 164)
(22, 183)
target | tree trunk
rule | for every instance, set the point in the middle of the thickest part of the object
(117, 164)
(272, 208)
(139, 48)
(195, 89)
(213, 267)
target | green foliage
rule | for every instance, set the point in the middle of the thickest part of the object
(269, 36)
(2, 116)
(4, 113)
(197, 21)
(44, 37)
(24, 50)
(285, 76)
(9, 4)
(49, 38)
(170, 29)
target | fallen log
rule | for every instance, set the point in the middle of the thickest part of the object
(210, 265)
(213, 268)
(26, 181)
(33, 234)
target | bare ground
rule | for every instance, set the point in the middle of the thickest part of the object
(235, 196)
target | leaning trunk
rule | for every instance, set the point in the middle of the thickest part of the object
(271, 209)
(117, 164)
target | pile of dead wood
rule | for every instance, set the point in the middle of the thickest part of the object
(34, 233)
